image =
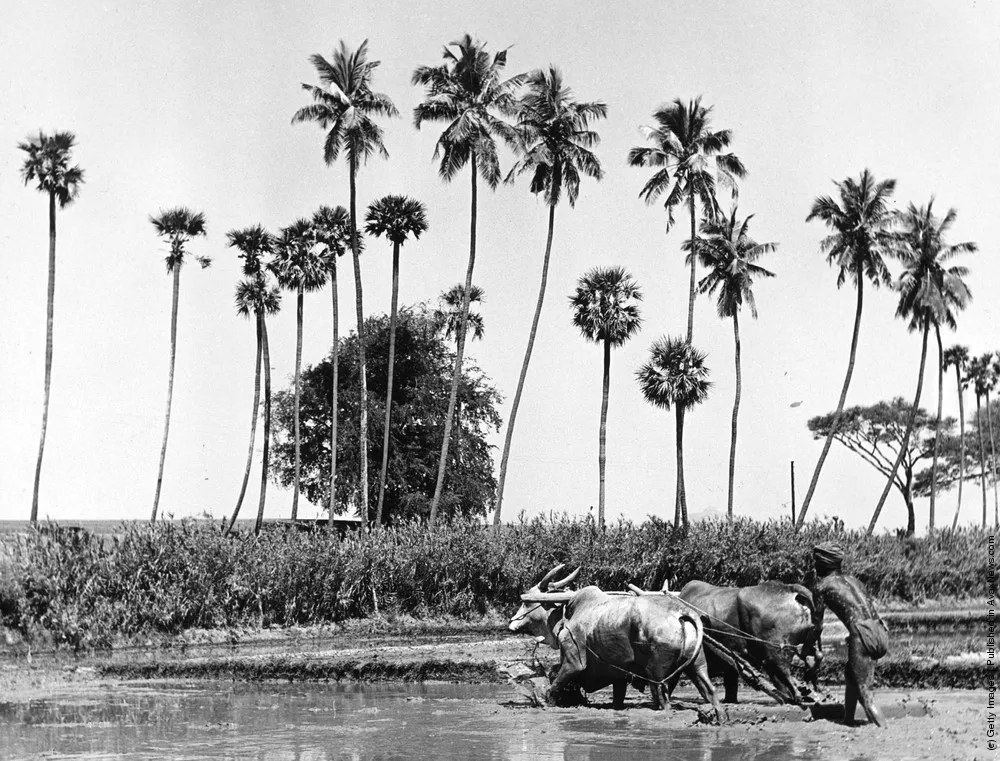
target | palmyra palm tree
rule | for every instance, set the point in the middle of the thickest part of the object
(990, 377)
(675, 375)
(861, 238)
(255, 296)
(978, 376)
(690, 164)
(298, 266)
(606, 310)
(729, 253)
(958, 357)
(48, 164)
(468, 93)
(344, 107)
(448, 314)
(555, 131)
(178, 226)
(395, 218)
(930, 294)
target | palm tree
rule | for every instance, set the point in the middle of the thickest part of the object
(682, 148)
(448, 315)
(256, 296)
(675, 375)
(344, 107)
(395, 218)
(991, 376)
(958, 357)
(467, 93)
(298, 266)
(48, 164)
(861, 237)
(178, 226)
(978, 376)
(729, 253)
(930, 293)
(555, 130)
(606, 310)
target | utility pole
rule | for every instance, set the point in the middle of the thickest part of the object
(793, 492)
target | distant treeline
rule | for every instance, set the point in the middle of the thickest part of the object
(73, 588)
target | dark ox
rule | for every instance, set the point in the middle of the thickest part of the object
(614, 639)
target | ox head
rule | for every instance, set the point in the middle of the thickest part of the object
(541, 607)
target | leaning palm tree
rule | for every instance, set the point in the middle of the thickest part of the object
(468, 93)
(298, 267)
(978, 376)
(861, 237)
(729, 253)
(606, 310)
(555, 131)
(344, 106)
(675, 375)
(48, 164)
(395, 218)
(178, 226)
(958, 357)
(689, 165)
(930, 294)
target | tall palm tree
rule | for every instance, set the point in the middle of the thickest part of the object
(254, 296)
(861, 237)
(690, 163)
(606, 310)
(331, 229)
(448, 314)
(958, 357)
(395, 218)
(298, 266)
(178, 226)
(48, 164)
(675, 375)
(931, 293)
(992, 375)
(555, 131)
(978, 376)
(344, 107)
(729, 253)
(469, 94)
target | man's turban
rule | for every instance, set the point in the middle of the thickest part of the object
(828, 555)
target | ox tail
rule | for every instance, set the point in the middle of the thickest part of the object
(690, 648)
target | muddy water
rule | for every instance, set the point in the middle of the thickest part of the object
(304, 722)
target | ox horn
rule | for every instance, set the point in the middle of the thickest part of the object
(548, 597)
(639, 591)
(544, 583)
(563, 582)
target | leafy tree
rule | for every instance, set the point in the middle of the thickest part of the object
(861, 237)
(395, 218)
(48, 163)
(958, 357)
(685, 152)
(422, 373)
(469, 94)
(606, 310)
(178, 226)
(675, 375)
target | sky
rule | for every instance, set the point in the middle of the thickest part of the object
(190, 103)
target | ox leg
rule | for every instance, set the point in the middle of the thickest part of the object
(731, 681)
(618, 694)
(697, 672)
(562, 679)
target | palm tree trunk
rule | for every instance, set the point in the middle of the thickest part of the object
(299, 301)
(993, 459)
(736, 412)
(362, 364)
(911, 518)
(602, 437)
(460, 351)
(906, 436)
(680, 507)
(170, 385)
(266, 464)
(253, 427)
(937, 428)
(524, 367)
(388, 393)
(694, 261)
(961, 424)
(334, 410)
(49, 315)
(982, 452)
(840, 406)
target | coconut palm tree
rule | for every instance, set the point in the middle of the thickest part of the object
(675, 375)
(299, 267)
(555, 131)
(606, 310)
(395, 218)
(48, 163)
(931, 293)
(178, 226)
(729, 253)
(861, 237)
(978, 376)
(690, 163)
(958, 357)
(468, 93)
(344, 107)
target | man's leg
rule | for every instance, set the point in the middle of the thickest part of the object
(860, 673)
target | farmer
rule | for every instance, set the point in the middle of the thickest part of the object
(868, 636)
